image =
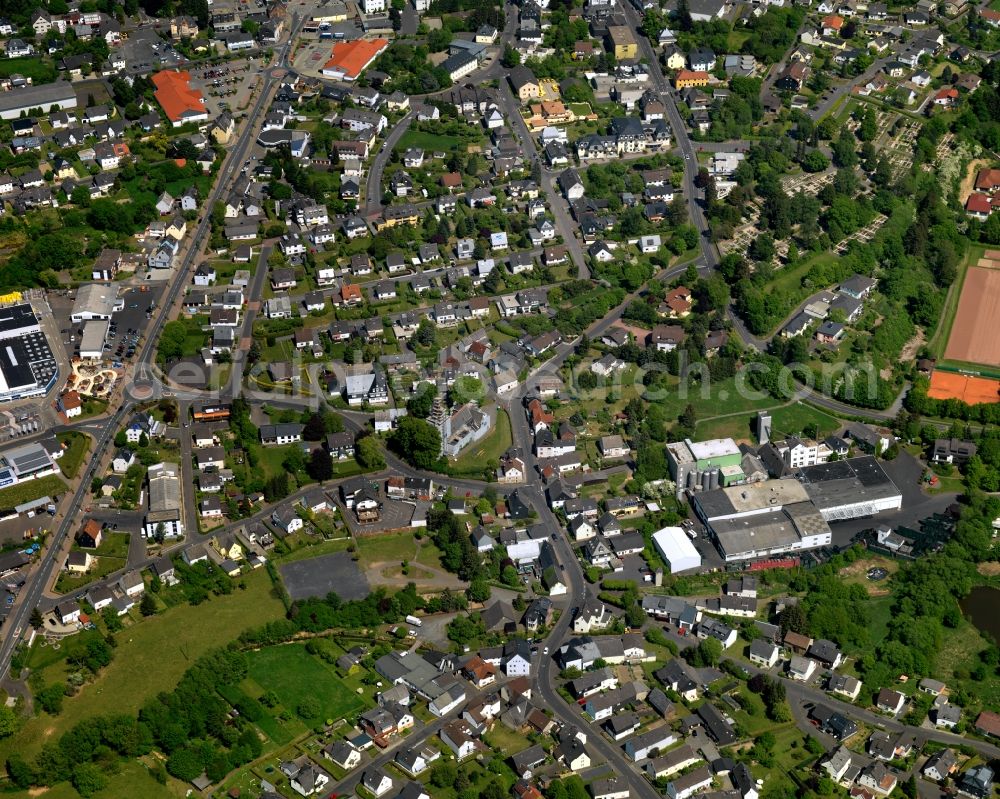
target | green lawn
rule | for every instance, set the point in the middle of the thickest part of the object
(429, 142)
(478, 455)
(93, 406)
(50, 485)
(40, 70)
(151, 657)
(397, 547)
(295, 675)
(793, 419)
(77, 446)
(881, 616)
(786, 420)
(715, 399)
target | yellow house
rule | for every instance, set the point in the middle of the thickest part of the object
(622, 42)
(227, 546)
(223, 128)
(676, 59)
(177, 228)
(396, 215)
(524, 83)
(79, 562)
(64, 170)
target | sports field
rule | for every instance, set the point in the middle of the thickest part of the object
(971, 339)
(971, 390)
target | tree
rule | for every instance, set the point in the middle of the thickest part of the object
(185, 764)
(8, 721)
(421, 403)
(511, 57)
(294, 461)
(50, 698)
(793, 618)
(20, 771)
(426, 335)
(88, 779)
(707, 653)
(509, 576)
(148, 605)
(443, 775)
(320, 465)
(309, 708)
(315, 427)
(635, 616)
(417, 442)
(479, 589)
(368, 454)
(120, 439)
(36, 619)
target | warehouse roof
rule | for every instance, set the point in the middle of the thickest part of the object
(31, 96)
(846, 482)
(751, 498)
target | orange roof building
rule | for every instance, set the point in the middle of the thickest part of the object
(349, 59)
(687, 78)
(834, 22)
(349, 294)
(180, 102)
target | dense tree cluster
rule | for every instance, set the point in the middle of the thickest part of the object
(417, 442)
(586, 303)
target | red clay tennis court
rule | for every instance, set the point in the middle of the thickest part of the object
(971, 390)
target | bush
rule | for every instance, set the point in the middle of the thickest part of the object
(309, 708)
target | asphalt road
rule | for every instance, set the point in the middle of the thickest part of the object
(564, 224)
(373, 185)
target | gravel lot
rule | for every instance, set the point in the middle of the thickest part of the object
(317, 577)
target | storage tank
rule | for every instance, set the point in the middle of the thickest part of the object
(692, 480)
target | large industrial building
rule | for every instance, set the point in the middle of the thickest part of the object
(705, 465)
(46, 96)
(776, 517)
(850, 489)
(95, 301)
(676, 549)
(27, 366)
(164, 502)
(29, 461)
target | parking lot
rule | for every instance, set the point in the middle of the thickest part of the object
(317, 577)
(228, 85)
(905, 471)
(395, 516)
(144, 48)
(127, 325)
